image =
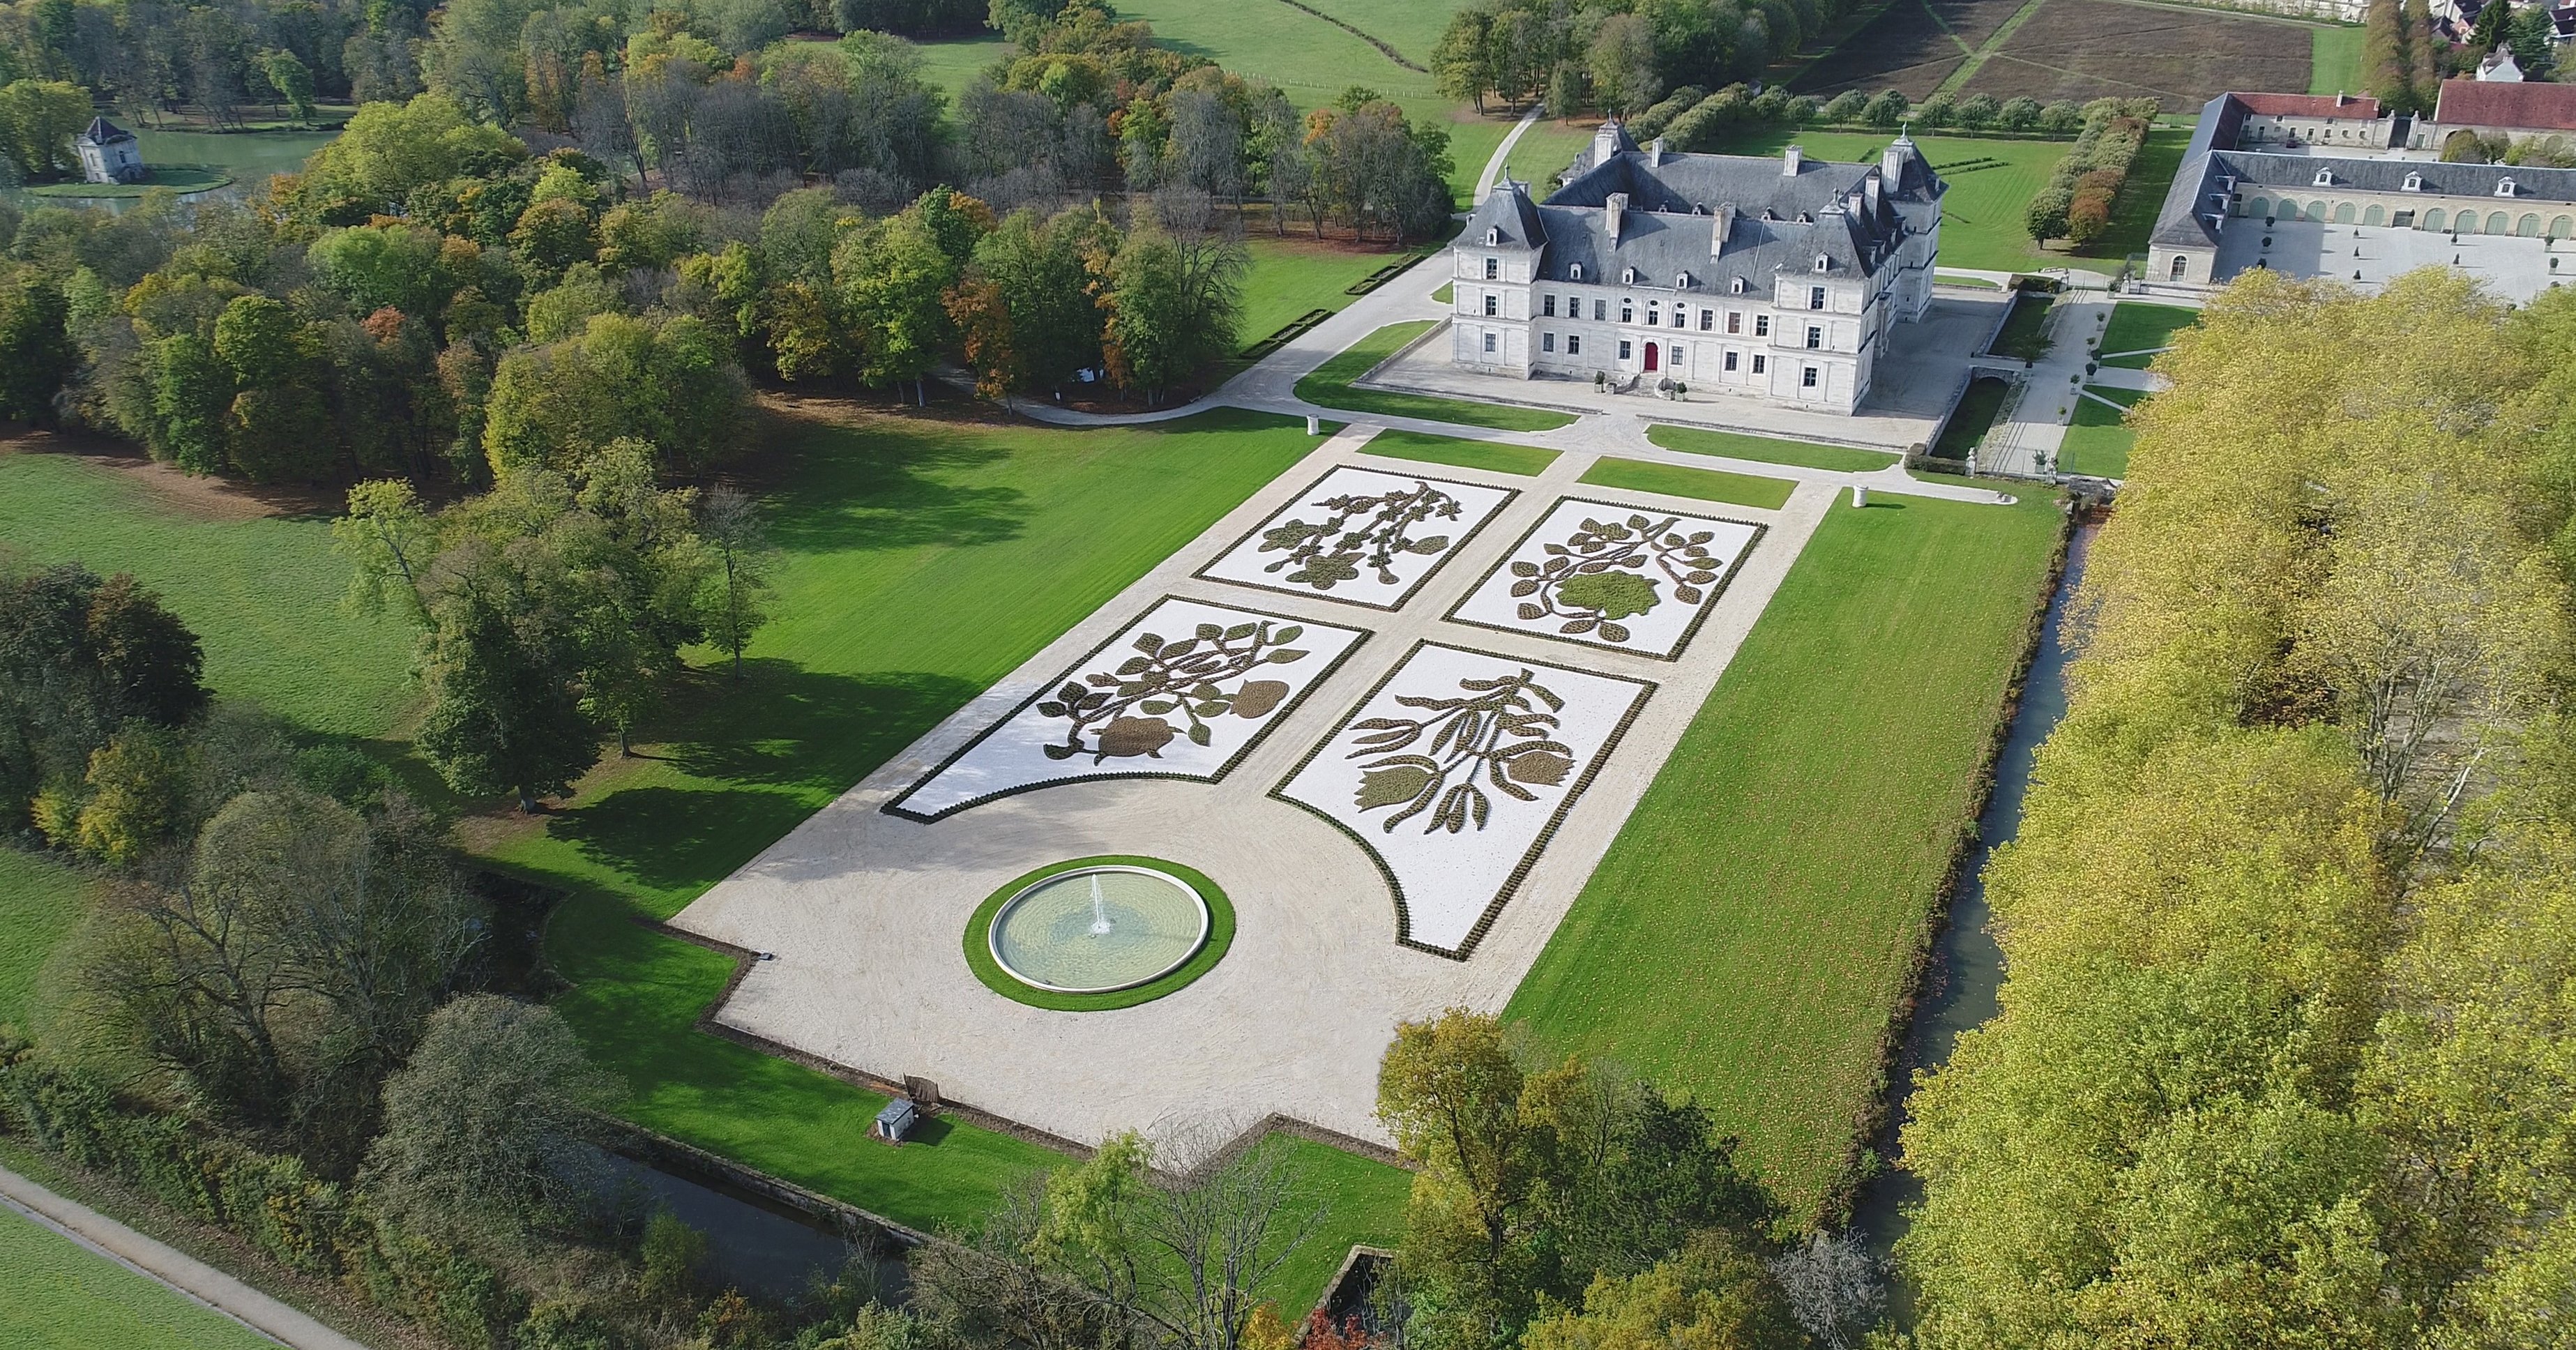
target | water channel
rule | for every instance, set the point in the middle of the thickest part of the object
(1959, 991)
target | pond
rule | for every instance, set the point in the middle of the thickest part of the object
(246, 158)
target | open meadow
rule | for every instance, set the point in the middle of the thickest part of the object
(1756, 923)
(63, 1296)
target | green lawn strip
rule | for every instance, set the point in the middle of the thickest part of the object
(2334, 60)
(2097, 442)
(1330, 385)
(1396, 443)
(950, 64)
(175, 177)
(979, 947)
(2142, 196)
(2023, 332)
(2138, 331)
(40, 903)
(1447, 294)
(1711, 485)
(1973, 418)
(1293, 275)
(1358, 1200)
(2126, 398)
(63, 1296)
(263, 595)
(1971, 283)
(1737, 445)
(1752, 928)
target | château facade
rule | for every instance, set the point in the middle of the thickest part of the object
(1782, 279)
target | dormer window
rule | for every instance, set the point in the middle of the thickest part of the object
(1628, 276)
(2325, 178)
(1682, 282)
(1735, 287)
(1493, 236)
(2414, 182)
(1574, 272)
(1823, 263)
(2504, 187)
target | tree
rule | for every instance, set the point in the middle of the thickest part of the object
(1888, 108)
(667, 381)
(1715, 1295)
(738, 591)
(1172, 299)
(2493, 28)
(292, 81)
(488, 1124)
(1460, 62)
(38, 119)
(1834, 1287)
(36, 354)
(81, 658)
(1621, 61)
(1449, 1090)
(501, 662)
(895, 276)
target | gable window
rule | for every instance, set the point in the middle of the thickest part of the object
(1761, 325)
(1493, 268)
(1815, 337)
(1815, 297)
(1547, 306)
(1807, 378)
(1547, 342)
(1735, 321)
(1574, 344)
(1493, 304)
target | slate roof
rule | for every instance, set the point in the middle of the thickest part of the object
(2208, 164)
(1777, 221)
(2502, 103)
(100, 131)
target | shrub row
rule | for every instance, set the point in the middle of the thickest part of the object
(2075, 204)
(310, 1225)
(1691, 118)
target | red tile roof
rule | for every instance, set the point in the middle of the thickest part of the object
(2310, 105)
(2478, 103)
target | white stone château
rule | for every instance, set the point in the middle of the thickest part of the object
(1783, 279)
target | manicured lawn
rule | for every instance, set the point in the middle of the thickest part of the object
(40, 902)
(1447, 294)
(2334, 61)
(1751, 930)
(2133, 213)
(1713, 485)
(2023, 332)
(1362, 1201)
(176, 177)
(951, 64)
(1330, 385)
(262, 594)
(1973, 419)
(1737, 445)
(2137, 331)
(63, 1296)
(2096, 440)
(1520, 459)
(1295, 274)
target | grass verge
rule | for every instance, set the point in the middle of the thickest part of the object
(1395, 443)
(175, 177)
(2097, 439)
(40, 903)
(1737, 445)
(1757, 922)
(1330, 385)
(1673, 480)
(1291, 276)
(63, 1296)
(2137, 331)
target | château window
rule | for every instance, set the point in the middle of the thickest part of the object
(1735, 287)
(1807, 378)
(1547, 305)
(1574, 344)
(1628, 277)
(1761, 325)
(1493, 268)
(1681, 317)
(1815, 297)
(1815, 338)
(1735, 321)
(1547, 342)
(1730, 360)
(2325, 178)
(1707, 320)
(1598, 313)
(1492, 237)
(1627, 312)
(1757, 363)
(2414, 182)
(1493, 305)
(1823, 263)
(1574, 272)
(1489, 344)
(1623, 351)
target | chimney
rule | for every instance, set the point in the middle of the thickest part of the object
(1725, 225)
(1869, 190)
(1605, 143)
(1790, 159)
(1615, 208)
(1655, 154)
(1891, 162)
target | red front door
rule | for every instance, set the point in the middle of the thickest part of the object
(1650, 356)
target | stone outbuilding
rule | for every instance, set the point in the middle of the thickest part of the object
(109, 153)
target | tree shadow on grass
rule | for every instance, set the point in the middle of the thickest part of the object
(766, 753)
(883, 488)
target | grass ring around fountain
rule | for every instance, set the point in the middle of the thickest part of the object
(979, 951)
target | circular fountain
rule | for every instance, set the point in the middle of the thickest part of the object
(1094, 930)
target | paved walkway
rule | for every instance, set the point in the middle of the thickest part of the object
(1502, 153)
(186, 1274)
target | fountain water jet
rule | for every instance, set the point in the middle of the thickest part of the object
(1099, 909)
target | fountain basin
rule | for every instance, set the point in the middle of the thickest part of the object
(1099, 929)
